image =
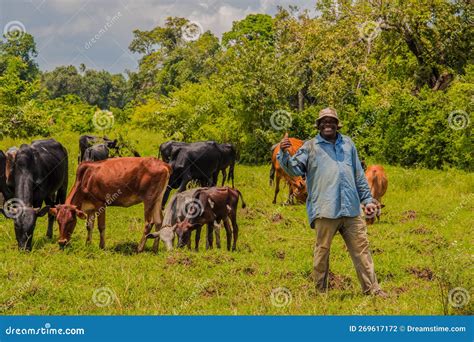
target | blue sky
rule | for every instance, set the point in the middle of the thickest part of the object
(64, 29)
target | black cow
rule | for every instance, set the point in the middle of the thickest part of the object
(40, 173)
(228, 156)
(86, 141)
(197, 161)
(96, 152)
(169, 151)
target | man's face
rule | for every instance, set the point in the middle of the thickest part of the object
(328, 128)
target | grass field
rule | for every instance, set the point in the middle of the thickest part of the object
(422, 248)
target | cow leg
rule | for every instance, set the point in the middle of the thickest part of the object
(146, 231)
(185, 180)
(277, 188)
(210, 237)
(165, 196)
(101, 225)
(157, 216)
(228, 233)
(90, 227)
(235, 231)
(198, 237)
(224, 176)
(290, 195)
(217, 230)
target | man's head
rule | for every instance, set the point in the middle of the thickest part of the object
(328, 123)
(66, 215)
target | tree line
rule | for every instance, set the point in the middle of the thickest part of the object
(400, 74)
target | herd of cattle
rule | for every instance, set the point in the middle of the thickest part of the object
(37, 174)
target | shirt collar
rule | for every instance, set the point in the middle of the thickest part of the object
(320, 139)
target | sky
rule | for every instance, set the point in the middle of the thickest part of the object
(98, 32)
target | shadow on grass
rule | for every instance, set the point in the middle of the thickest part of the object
(126, 248)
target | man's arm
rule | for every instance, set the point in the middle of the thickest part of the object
(360, 179)
(293, 165)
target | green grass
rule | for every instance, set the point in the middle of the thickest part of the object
(418, 256)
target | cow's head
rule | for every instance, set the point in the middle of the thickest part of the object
(165, 234)
(24, 218)
(370, 219)
(298, 190)
(66, 215)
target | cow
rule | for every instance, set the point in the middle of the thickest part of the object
(96, 152)
(378, 184)
(211, 205)
(175, 212)
(297, 185)
(228, 157)
(38, 173)
(197, 161)
(120, 182)
(86, 141)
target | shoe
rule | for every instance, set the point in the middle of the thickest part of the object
(380, 293)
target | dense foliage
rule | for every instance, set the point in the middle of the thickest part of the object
(400, 74)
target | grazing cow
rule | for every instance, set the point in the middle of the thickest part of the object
(211, 205)
(228, 157)
(297, 185)
(119, 182)
(39, 173)
(378, 184)
(197, 161)
(175, 212)
(96, 152)
(86, 141)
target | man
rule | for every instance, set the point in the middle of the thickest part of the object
(336, 186)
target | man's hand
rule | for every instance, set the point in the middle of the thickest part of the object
(285, 143)
(370, 209)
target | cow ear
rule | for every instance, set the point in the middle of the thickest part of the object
(82, 215)
(40, 212)
(53, 211)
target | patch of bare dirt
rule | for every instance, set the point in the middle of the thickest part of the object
(424, 273)
(408, 215)
(276, 217)
(339, 281)
(421, 230)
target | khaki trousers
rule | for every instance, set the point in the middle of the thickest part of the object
(354, 233)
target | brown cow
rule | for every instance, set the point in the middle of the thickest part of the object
(297, 185)
(212, 205)
(378, 184)
(120, 182)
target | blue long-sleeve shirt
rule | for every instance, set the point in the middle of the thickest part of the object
(335, 179)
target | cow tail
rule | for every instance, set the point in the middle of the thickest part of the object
(240, 194)
(272, 174)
